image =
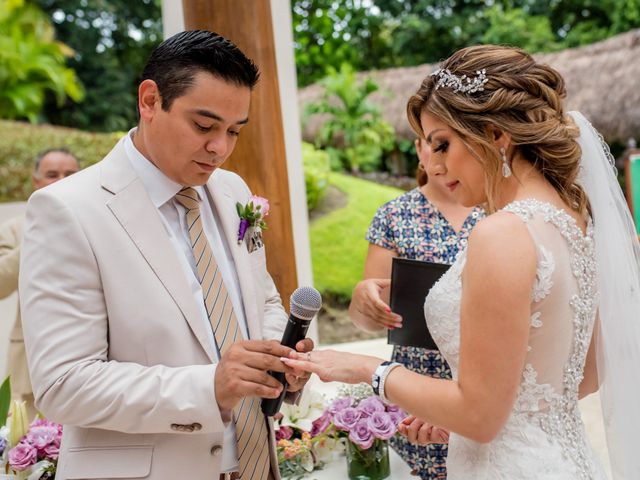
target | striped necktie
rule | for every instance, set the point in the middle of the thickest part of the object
(251, 428)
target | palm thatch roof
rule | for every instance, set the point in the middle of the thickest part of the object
(602, 82)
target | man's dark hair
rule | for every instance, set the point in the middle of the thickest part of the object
(174, 63)
(44, 153)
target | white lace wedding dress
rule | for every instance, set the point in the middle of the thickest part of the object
(544, 437)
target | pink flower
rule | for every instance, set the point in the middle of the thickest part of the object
(22, 456)
(284, 433)
(361, 435)
(42, 436)
(370, 405)
(347, 418)
(261, 202)
(320, 424)
(52, 451)
(382, 425)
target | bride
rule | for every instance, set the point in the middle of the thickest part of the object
(542, 307)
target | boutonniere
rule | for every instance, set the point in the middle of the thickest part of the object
(252, 215)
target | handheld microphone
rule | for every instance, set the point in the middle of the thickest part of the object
(305, 304)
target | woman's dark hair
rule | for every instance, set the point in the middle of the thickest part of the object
(174, 63)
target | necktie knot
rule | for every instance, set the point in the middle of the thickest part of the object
(189, 198)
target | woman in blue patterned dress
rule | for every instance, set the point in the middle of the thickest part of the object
(424, 224)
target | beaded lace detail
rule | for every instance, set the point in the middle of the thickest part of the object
(545, 424)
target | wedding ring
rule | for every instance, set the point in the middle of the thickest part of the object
(309, 357)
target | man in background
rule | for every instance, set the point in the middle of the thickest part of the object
(50, 166)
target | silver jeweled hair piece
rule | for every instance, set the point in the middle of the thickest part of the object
(461, 84)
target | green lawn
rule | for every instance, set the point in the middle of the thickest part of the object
(338, 247)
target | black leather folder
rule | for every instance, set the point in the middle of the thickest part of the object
(411, 281)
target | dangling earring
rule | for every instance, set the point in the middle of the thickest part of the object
(506, 169)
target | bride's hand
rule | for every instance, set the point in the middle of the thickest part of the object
(422, 433)
(333, 366)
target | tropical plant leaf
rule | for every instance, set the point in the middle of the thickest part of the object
(5, 400)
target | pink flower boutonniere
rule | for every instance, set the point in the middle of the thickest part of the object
(252, 215)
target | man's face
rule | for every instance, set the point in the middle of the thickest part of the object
(54, 166)
(198, 133)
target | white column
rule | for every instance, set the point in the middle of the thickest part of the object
(283, 37)
(172, 17)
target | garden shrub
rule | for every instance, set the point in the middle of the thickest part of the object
(20, 142)
(316, 174)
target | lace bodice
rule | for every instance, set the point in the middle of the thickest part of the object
(544, 437)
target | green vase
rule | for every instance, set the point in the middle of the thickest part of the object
(369, 464)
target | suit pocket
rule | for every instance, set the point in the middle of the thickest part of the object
(258, 259)
(132, 461)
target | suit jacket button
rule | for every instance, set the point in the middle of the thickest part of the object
(216, 450)
(196, 426)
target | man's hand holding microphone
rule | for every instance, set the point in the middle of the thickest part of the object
(252, 368)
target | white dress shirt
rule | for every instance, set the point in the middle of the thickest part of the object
(162, 191)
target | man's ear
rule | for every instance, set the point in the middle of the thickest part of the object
(149, 100)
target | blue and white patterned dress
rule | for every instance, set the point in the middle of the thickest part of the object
(414, 228)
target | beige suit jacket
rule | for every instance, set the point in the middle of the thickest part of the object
(117, 349)
(10, 240)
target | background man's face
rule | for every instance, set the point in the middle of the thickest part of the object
(199, 131)
(54, 166)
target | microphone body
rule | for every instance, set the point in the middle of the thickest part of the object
(305, 303)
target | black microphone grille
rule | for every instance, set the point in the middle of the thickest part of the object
(305, 302)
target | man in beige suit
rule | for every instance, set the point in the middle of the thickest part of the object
(145, 318)
(50, 166)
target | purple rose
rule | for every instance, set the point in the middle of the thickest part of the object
(370, 405)
(42, 436)
(340, 404)
(347, 418)
(284, 433)
(381, 425)
(361, 435)
(52, 451)
(320, 424)
(22, 456)
(397, 417)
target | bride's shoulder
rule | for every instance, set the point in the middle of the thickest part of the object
(502, 238)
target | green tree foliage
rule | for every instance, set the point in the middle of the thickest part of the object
(354, 133)
(387, 33)
(112, 40)
(32, 62)
(329, 33)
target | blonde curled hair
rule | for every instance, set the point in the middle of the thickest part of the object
(522, 98)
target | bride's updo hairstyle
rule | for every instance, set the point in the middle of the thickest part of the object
(507, 89)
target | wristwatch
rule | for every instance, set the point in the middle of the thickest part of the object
(379, 376)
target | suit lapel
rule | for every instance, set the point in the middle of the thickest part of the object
(225, 206)
(136, 213)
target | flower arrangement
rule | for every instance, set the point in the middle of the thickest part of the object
(252, 215)
(298, 452)
(29, 451)
(360, 416)
(366, 424)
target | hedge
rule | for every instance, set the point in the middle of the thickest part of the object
(20, 143)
